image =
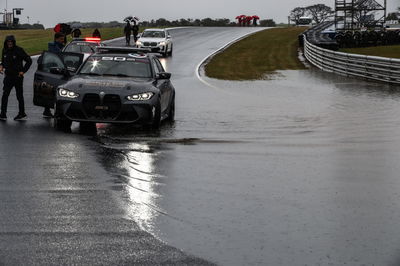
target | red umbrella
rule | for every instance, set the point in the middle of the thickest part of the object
(238, 17)
(256, 17)
(57, 28)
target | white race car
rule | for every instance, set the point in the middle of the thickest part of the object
(158, 40)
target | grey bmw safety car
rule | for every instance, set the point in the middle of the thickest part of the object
(114, 85)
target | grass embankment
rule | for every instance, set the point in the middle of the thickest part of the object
(258, 55)
(35, 41)
(392, 51)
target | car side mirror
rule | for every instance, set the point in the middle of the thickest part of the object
(163, 75)
(169, 37)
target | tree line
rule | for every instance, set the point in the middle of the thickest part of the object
(161, 22)
(319, 13)
(394, 15)
(183, 22)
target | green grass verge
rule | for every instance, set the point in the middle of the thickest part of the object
(258, 55)
(392, 51)
(35, 41)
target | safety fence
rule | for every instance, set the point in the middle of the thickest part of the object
(369, 67)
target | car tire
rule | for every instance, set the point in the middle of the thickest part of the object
(156, 122)
(170, 52)
(171, 111)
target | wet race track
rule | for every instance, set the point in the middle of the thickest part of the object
(298, 170)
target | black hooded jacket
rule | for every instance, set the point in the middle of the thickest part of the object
(12, 59)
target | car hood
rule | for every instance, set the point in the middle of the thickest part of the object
(116, 85)
(143, 39)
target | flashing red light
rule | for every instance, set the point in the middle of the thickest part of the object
(92, 39)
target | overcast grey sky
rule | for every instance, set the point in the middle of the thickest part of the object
(50, 12)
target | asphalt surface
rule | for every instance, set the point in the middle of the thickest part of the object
(301, 169)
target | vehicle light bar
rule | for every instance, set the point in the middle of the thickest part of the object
(92, 39)
(87, 39)
(115, 49)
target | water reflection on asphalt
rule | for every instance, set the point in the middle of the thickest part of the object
(304, 164)
(299, 169)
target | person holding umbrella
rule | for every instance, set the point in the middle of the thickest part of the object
(64, 29)
(238, 18)
(76, 32)
(248, 20)
(255, 18)
(128, 32)
(135, 32)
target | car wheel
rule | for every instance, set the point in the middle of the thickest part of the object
(156, 122)
(171, 112)
(170, 52)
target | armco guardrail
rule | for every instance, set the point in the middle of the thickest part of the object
(369, 67)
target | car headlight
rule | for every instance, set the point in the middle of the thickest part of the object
(162, 43)
(140, 96)
(139, 43)
(67, 93)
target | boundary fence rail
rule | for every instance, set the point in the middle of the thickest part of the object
(363, 66)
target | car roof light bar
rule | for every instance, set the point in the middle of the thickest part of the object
(92, 39)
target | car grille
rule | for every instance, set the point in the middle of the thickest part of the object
(150, 44)
(113, 102)
(92, 101)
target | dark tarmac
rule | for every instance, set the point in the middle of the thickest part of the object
(301, 169)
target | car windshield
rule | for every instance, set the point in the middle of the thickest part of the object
(153, 34)
(86, 48)
(119, 66)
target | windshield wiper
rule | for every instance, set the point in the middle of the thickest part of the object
(117, 75)
(91, 74)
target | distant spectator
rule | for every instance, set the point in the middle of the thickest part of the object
(55, 47)
(135, 32)
(128, 32)
(58, 44)
(64, 29)
(76, 33)
(96, 34)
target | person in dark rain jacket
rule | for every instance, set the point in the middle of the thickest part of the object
(96, 34)
(12, 65)
(135, 32)
(128, 32)
(58, 44)
(56, 47)
(76, 33)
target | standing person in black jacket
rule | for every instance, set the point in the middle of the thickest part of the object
(128, 32)
(12, 65)
(55, 47)
(135, 32)
(96, 34)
